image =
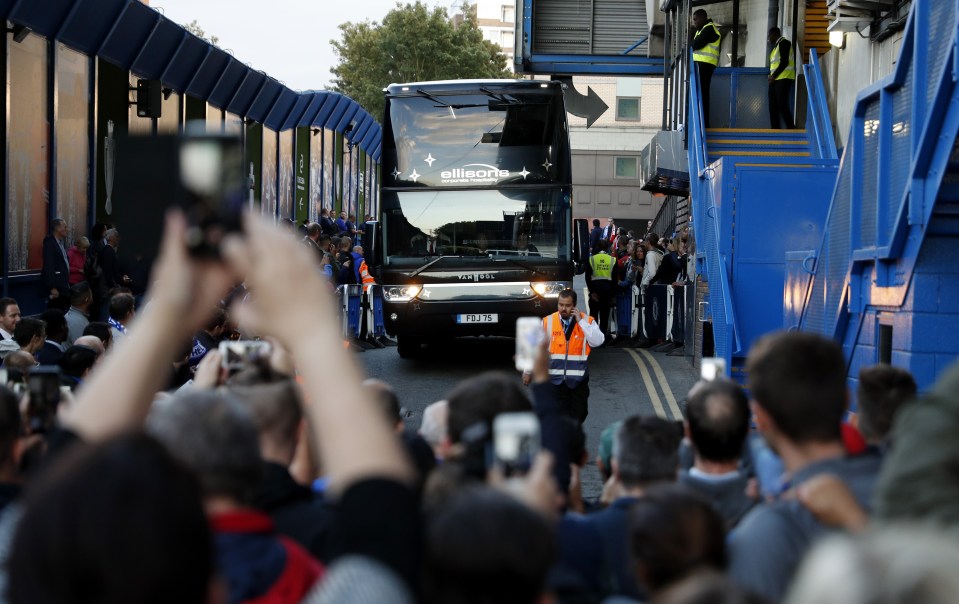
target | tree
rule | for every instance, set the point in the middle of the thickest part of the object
(413, 44)
(194, 28)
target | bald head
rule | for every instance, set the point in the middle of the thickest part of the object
(92, 342)
(20, 360)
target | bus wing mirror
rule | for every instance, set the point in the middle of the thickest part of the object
(372, 248)
(580, 241)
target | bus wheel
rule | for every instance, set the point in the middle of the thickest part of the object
(409, 347)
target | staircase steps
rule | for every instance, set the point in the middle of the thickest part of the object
(759, 145)
(815, 24)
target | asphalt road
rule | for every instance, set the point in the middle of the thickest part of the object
(623, 382)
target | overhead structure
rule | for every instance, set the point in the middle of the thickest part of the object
(135, 37)
(570, 37)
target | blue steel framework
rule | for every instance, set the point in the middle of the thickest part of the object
(887, 260)
(137, 38)
(732, 203)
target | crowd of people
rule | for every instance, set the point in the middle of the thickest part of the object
(288, 478)
(619, 261)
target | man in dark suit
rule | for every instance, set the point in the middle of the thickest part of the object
(594, 236)
(111, 275)
(55, 274)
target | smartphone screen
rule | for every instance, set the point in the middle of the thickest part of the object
(211, 178)
(712, 368)
(529, 335)
(516, 441)
(238, 354)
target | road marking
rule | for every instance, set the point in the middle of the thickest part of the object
(650, 387)
(677, 414)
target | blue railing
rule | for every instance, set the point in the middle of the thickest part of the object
(822, 141)
(706, 218)
(893, 164)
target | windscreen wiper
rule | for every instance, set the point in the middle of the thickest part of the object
(429, 264)
(442, 103)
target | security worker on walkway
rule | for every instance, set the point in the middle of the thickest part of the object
(572, 334)
(705, 55)
(782, 79)
(599, 280)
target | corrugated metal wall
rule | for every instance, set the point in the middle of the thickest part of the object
(589, 27)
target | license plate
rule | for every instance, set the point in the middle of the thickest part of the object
(478, 318)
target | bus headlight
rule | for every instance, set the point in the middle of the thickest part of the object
(549, 289)
(403, 293)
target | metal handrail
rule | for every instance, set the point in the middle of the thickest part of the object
(706, 217)
(821, 133)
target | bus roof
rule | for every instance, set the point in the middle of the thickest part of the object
(468, 85)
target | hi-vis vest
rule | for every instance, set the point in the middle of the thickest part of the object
(362, 272)
(789, 73)
(710, 52)
(567, 360)
(602, 265)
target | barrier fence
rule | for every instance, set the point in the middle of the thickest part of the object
(659, 314)
(362, 312)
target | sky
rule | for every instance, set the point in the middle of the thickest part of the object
(287, 39)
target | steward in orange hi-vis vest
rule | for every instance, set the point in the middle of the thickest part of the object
(567, 358)
(572, 335)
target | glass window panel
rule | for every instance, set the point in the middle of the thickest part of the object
(316, 173)
(627, 108)
(73, 132)
(626, 167)
(27, 185)
(268, 197)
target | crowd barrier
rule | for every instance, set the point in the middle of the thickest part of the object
(659, 314)
(362, 312)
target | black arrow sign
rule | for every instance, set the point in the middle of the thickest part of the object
(589, 106)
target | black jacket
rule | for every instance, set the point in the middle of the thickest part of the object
(296, 511)
(55, 273)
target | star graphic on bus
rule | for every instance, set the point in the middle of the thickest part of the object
(430, 159)
(526, 291)
(396, 173)
(525, 173)
(546, 164)
(414, 175)
(426, 293)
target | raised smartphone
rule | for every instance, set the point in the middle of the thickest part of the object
(529, 335)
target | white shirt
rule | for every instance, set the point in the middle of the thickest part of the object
(594, 335)
(6, 335)
(654, 258)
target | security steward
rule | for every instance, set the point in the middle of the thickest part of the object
(572, 334)
(782, 79)
(599, 280)
(705, 55)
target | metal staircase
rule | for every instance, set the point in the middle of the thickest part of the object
(885, 282)
(755, 194)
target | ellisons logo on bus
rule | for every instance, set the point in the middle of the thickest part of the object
(485, 174)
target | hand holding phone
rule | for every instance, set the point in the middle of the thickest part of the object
(712, 368)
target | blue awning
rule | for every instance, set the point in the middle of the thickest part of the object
(137, 38)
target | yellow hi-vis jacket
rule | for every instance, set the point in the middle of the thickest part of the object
(789, 73)
(602, 266)
(710, 52)
(567, 359)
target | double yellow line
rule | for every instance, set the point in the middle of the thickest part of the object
(651, 388)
